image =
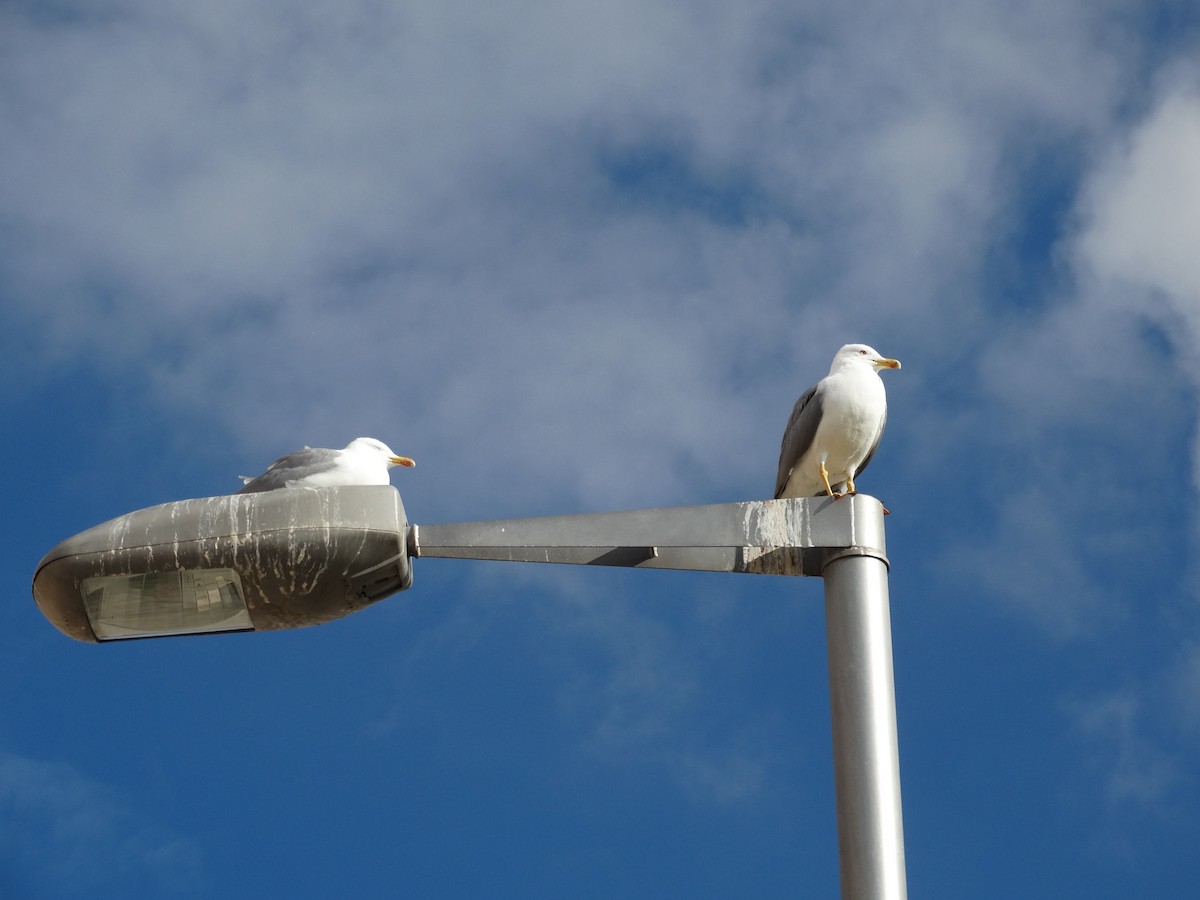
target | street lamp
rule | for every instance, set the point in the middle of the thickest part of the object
(246, 562)
(289, 558)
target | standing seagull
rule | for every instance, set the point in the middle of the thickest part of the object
(363, 461)
(835, 426)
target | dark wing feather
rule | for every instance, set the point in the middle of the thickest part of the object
(288, 468)
(799, 434)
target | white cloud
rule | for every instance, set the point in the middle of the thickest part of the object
(1141, 215)
(418, 207)
(1144, 207)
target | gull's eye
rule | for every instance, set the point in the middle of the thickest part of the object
(862, 352)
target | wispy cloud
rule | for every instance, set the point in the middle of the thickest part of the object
(633, 683)
(65, 834)
(1134, 769)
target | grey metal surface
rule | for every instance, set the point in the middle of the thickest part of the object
(774, 537)
(304, 555)
(866, 759)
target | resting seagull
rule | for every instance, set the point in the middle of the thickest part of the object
(363, 461)
(835, 426)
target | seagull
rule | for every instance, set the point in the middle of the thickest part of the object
(835, 426)
(363, 461)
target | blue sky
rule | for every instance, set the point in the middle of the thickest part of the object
(576, 257)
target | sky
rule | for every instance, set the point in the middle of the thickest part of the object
(578, 257)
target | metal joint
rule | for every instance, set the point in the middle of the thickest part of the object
(832, 556)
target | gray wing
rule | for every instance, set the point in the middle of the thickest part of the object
(300, 464)
(874, 446)
(799, 434)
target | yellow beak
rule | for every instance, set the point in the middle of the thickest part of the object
(405, 461)
(887, 363)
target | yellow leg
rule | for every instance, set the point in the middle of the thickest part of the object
(850, 489)
(825, 478)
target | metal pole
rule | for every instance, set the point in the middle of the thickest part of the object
(866, 759)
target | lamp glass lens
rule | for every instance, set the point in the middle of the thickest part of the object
(165, 603)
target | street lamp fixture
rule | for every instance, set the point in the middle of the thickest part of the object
(246, 562)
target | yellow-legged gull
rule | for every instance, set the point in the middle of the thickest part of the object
(835, 426)
(363, 461)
